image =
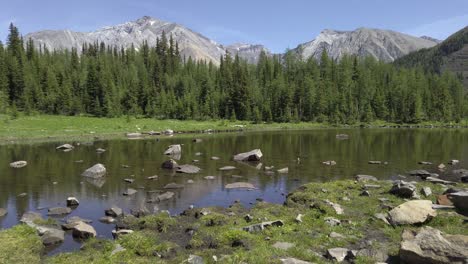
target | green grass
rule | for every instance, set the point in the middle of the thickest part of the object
(50, 128)
(38, 128)
(161, 238)
(20, 244)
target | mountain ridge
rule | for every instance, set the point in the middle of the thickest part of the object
(386, 45)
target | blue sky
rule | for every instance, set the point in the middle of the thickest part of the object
(276, 24)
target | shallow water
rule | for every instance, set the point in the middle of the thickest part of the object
(301, 151)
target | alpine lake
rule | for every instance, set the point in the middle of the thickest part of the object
(52, 175)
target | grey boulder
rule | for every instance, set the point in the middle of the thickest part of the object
(253, 155)
(173, 150)
(18, 164)
(365, 178)
(403, 189)
(187, 168)
(169, 164)
(96, 171)
(412, 212)
(52, 237)
(240, 185)
(59, 211)
(429, 245)
(83, 231)
(460, 201)
(114, 211)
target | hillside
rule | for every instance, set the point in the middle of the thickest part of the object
(451, 54)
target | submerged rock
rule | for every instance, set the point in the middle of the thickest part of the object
(227, 168)
(253, 155)
(3, 212)
(187, 168)
(425, 163)
(169, 164)
(114, 211)
(429, 245)
(412, 212)
(173, 150)
(65, 147)
(164, 196)
(96, 171)
(59, 211)
(154, 177)
(283, 171)
(239, 185)
(342, 136)
(18, 164)
(100, 150)
(107, 220)
(173, 185)
(129, 192)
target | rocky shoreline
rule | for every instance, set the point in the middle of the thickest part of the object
(356, 221)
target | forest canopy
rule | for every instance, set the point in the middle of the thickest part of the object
(156, 81)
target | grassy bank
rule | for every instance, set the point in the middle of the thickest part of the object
(37, 128)
(161, 238)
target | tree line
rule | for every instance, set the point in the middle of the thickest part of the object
(158, 82)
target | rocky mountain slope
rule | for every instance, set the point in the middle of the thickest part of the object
(384, 45)
(249, 52)
(146, 28)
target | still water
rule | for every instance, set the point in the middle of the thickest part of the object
(52, 175)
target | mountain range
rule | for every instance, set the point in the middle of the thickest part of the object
(384, 45)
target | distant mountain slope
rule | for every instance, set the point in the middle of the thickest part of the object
(451, 54)
(147, 28)
(249, 52)
(385, 45)
(135, 32)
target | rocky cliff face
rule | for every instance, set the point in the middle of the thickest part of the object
(385, 45)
